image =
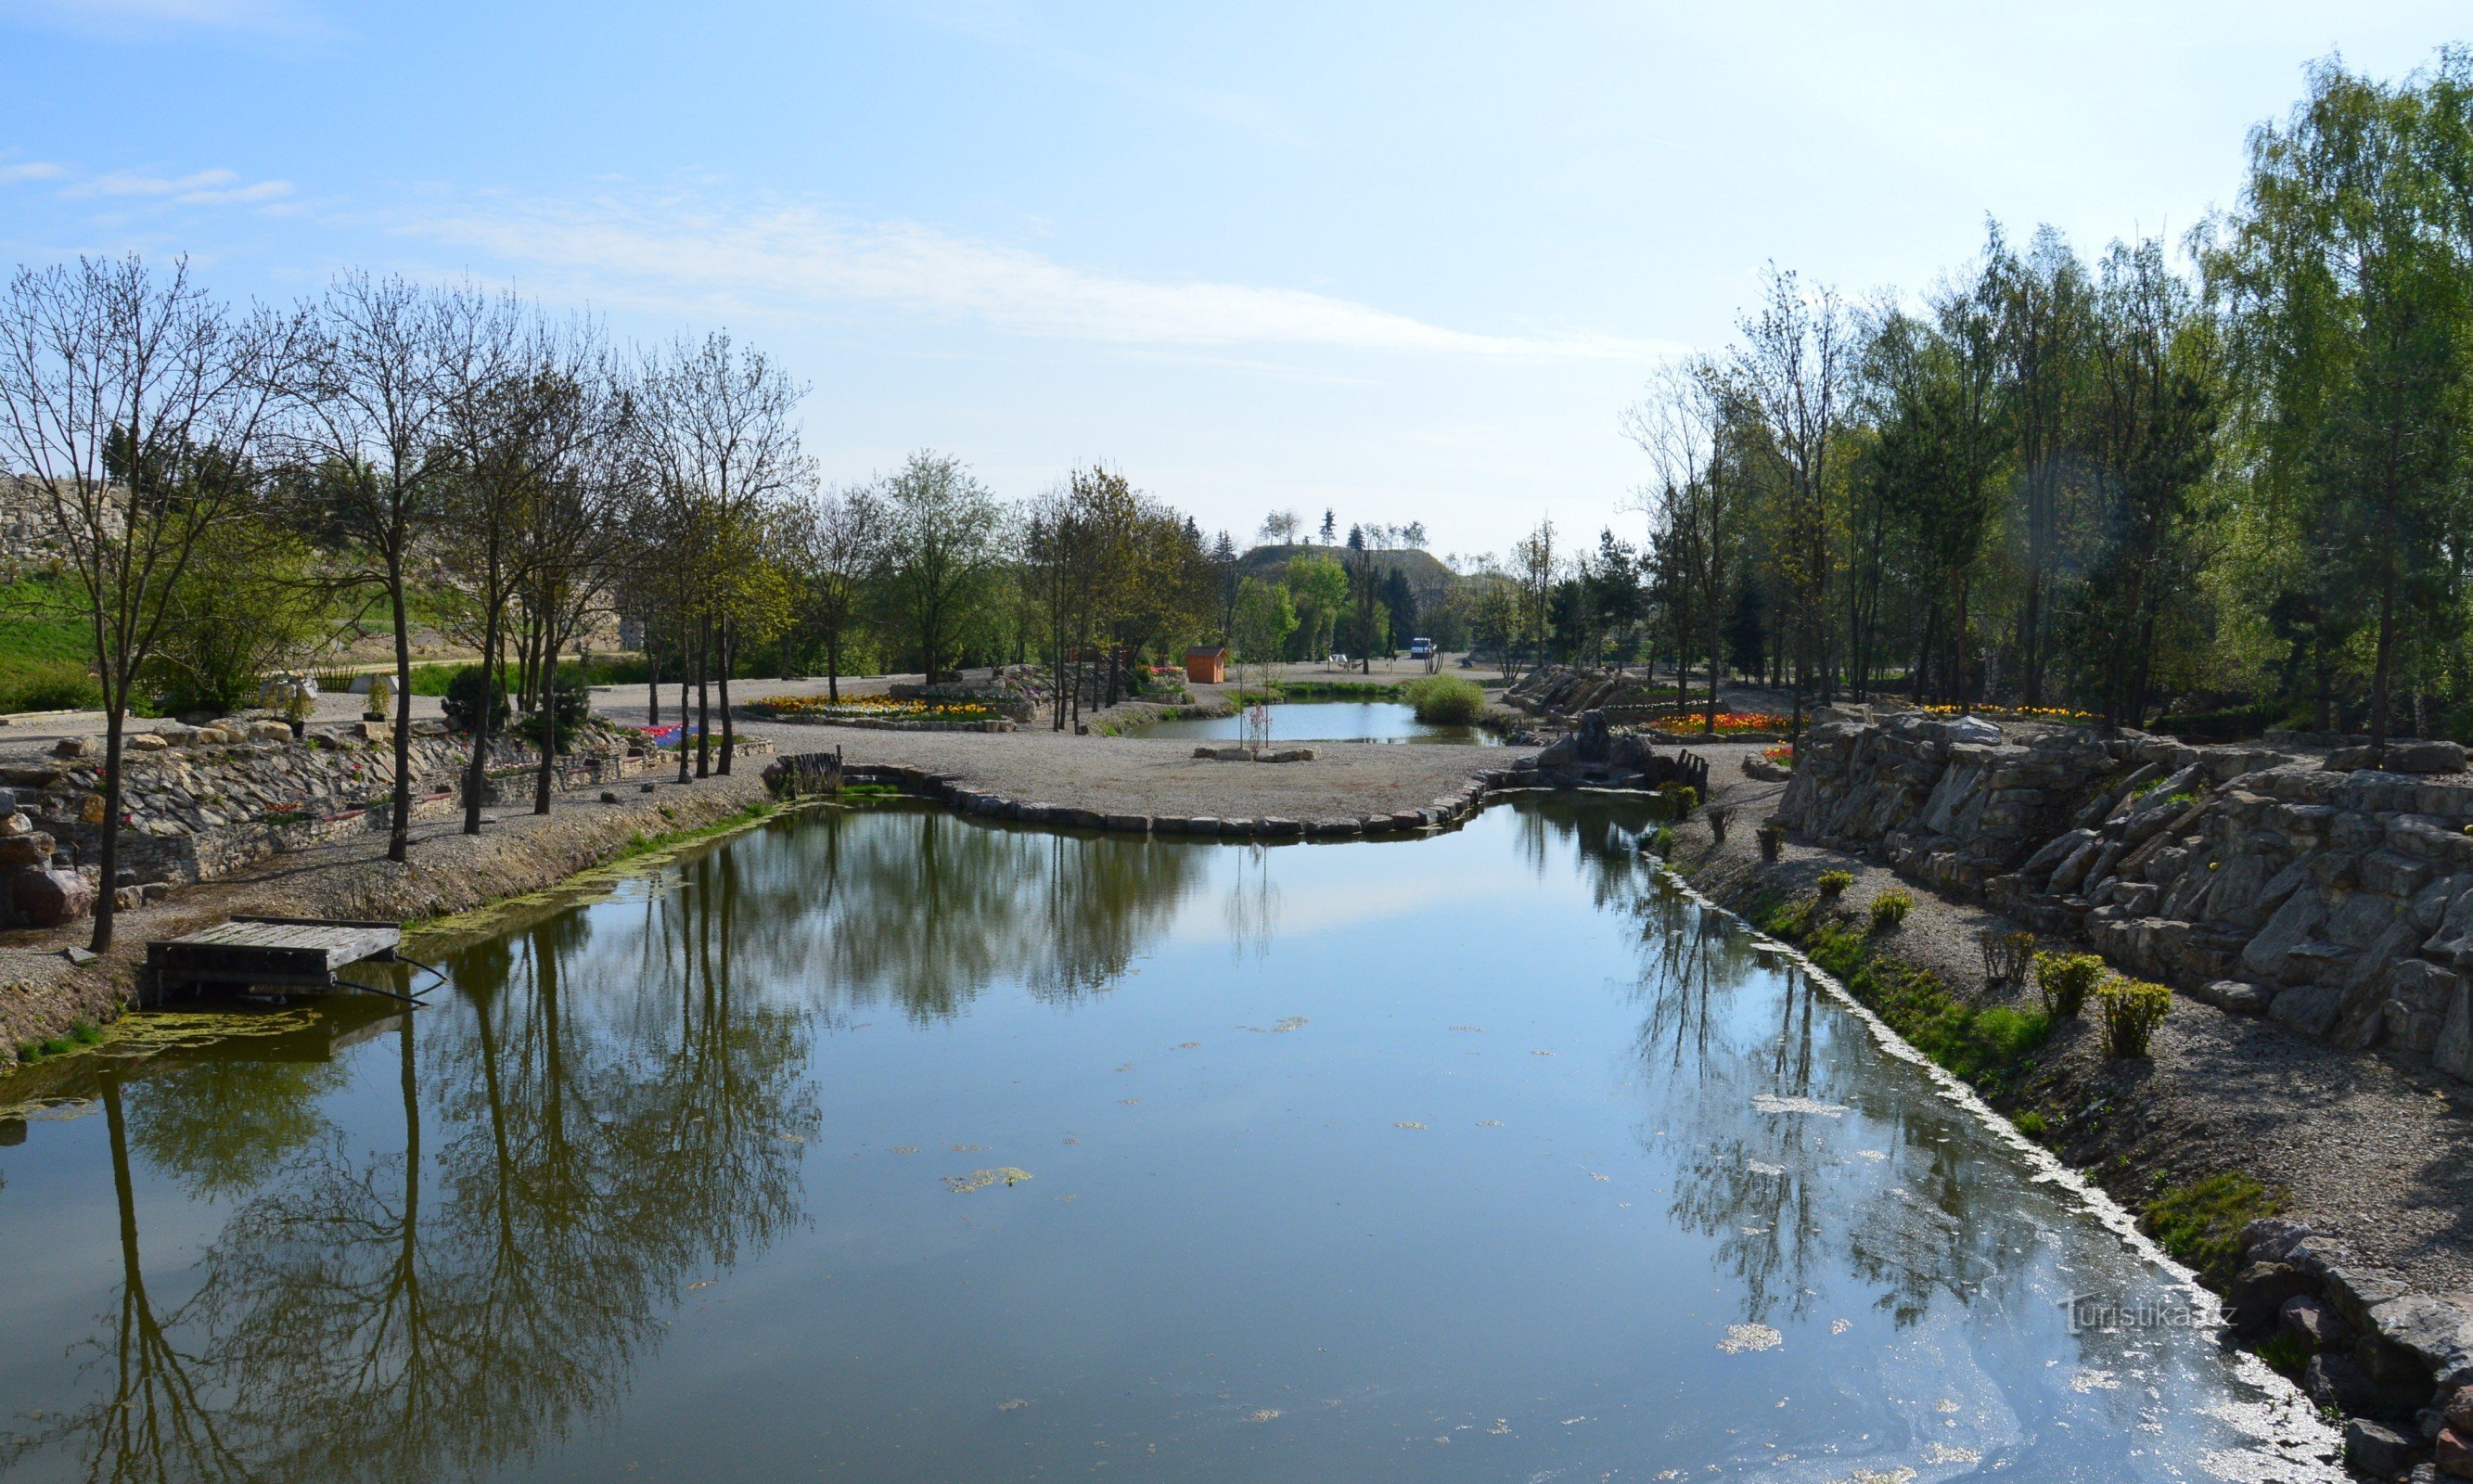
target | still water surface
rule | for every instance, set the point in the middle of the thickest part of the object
(1325, 721)
(884, 1145)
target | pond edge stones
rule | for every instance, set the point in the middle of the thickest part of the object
(973, 800)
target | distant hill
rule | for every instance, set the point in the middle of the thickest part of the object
(1427, 573)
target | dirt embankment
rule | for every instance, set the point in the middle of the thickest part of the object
(2375, 1150)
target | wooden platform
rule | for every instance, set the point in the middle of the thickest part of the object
(263, 953)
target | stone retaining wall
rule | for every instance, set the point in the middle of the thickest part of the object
(200, 803)
(2331, 896)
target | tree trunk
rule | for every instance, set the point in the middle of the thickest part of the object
(400, 827)
(652, 679)
(476, 771)
(686, 663)
(728, 646)
(704, 698)
(2379, 672)
(106, 908)
(549, 729)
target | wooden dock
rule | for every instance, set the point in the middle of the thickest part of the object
(268, 952)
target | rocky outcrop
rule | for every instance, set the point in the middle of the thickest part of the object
(1566, 690)
(2332, 896)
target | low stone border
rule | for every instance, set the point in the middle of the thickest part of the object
(1246, 754)
(874, 724)
(1450, 810)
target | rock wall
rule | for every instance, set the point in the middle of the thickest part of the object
(2329, 896)
(200, 803)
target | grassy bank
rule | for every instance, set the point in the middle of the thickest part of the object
(1987, 1046)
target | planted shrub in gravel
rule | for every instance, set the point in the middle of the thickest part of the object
(1832, 882)
(2065, 980)
(2132, 1009)
(1889, 909)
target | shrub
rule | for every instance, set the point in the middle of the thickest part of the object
(572, 701)
(2031, 1124)
(1889, 909)
(1983, 1046)
(2005, 955)
(1679, 800)
(2064, 980)
(2132, 1009)
(473, 689)
(1719, 817)
(1445, 700)
(1662, 843)
(1834, 883)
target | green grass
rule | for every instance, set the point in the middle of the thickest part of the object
(2031, 1124)
(45, 648)
(2200, 1223)
(1320, 690)
(2287, 1352)
(645, 844)
(1984, 1046)
(85, 1033)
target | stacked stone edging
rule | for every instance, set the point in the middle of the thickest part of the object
(2331, 896)
(1448, 809)
(875, 722)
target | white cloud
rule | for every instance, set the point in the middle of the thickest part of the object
(31, 170)
(797, 257)
(199, 188)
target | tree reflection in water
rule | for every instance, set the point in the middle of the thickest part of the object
(917, 910)
(472, 1295)
(1773, 1192)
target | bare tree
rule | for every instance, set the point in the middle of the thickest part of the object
(136, 404)
(720, 444)
(1790, 374)
(586, 484)
(492, 355)
(365, 438)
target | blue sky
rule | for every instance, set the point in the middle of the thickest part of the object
(1406, 261)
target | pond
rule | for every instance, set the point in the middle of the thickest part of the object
(1325, 721)
(879, 1144)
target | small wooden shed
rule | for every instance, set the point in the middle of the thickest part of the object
(1207, 664)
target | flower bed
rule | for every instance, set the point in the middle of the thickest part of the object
(1741, 725)
(881, 708)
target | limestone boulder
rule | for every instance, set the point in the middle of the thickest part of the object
(47, 898)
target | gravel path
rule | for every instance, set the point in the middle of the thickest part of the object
(2378, 1152)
